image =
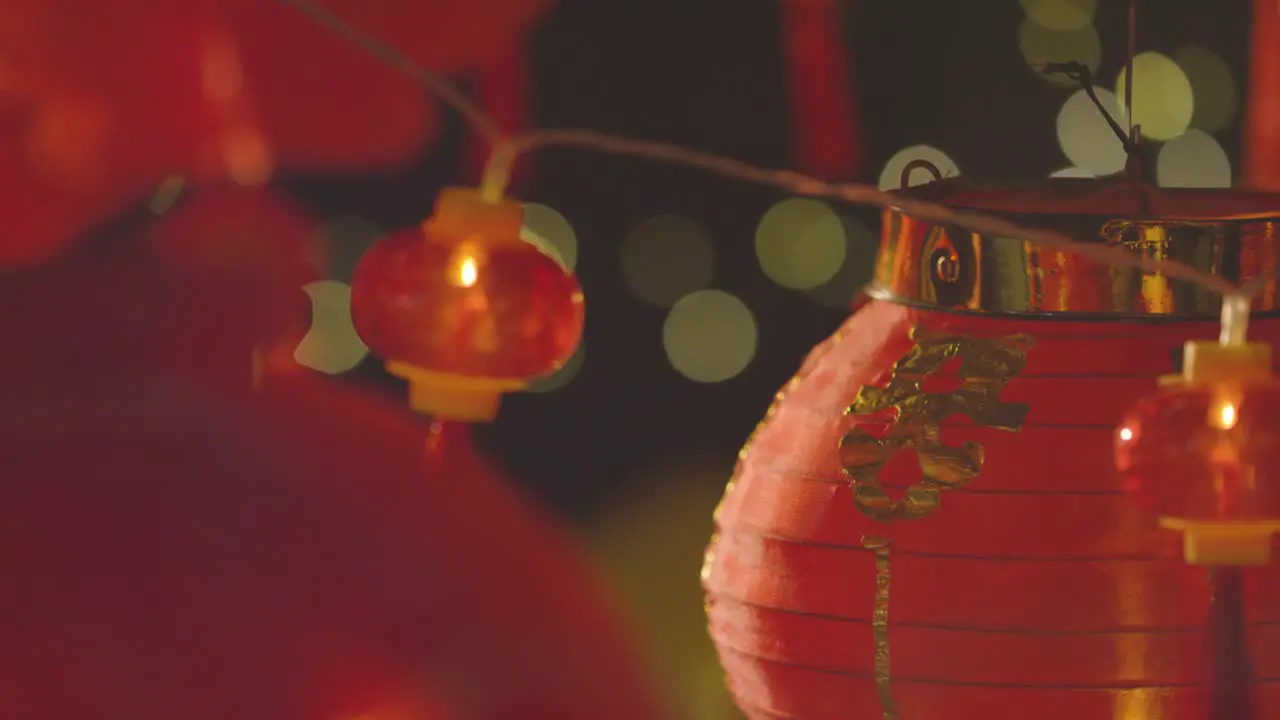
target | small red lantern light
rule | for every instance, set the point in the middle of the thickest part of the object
(464, 308)
(1204, 454)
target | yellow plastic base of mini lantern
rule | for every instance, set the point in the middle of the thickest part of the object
(454, 397)
(1224, 543)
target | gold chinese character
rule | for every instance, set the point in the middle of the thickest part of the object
(986, 366)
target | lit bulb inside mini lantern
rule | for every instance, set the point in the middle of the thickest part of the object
(1204, 453)
(467, 271)
(464, 309)
(1225, 415)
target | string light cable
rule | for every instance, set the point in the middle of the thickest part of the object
(505, 151)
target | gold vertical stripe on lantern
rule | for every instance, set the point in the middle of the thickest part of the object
(880, 625)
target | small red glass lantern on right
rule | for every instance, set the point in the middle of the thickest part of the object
(1203, 453)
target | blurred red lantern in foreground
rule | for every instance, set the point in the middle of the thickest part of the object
(177, 552)
(251, 250)
(177, 545)
(99, 103)
(1000, 568)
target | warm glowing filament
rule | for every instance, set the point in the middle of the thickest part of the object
(467, 271)
(463, 269)
(1227, 416)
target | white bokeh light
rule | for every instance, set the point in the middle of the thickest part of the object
(800, 243)
(331, 345)
(551, 232)
(1193, 159)
(1060, 14)
(710, 336)
(891, 175)
(1086, 138)
(1162, 98)
(1213, 87)
(859, 257)
(1072, 172)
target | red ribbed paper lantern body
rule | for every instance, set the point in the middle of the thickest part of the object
(1019, 581)
(1039, 588)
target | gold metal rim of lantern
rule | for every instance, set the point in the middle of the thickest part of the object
(1228, 233)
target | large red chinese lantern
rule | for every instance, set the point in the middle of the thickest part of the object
(928, 523)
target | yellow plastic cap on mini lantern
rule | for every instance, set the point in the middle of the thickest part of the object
(1205, 361)
(1202, 453)
(461, 211)
(1224, 543)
